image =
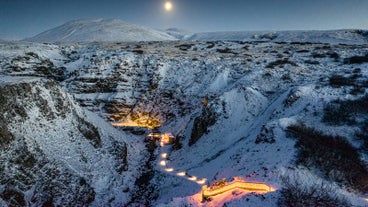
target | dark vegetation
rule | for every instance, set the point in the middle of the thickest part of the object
(146, 192)
(295, 194)
(332, 156)
(356, 59)
(356, 80)
(120, 152)
(362, 135)
(226, 51)
(184, 47)
(90, 132)
(350, 112)
(177, 144)
(201, 124)
(312, 62)
(279, 63)
(340, 80)
(318, 55)
(341, 112)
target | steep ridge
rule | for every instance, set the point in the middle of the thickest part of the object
(53, 152)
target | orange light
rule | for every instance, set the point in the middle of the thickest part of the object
(144, 121)
(181, 174)
(193, 178)
(164, 155)
(163, 163)
(169, 169)
(237, 184)
(201, 182)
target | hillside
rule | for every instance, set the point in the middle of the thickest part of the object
(53, 152)
(108, 30)
(329, 36)
(292, 115)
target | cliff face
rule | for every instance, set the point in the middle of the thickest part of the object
(53, 152)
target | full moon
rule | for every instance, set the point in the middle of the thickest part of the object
(168, 6)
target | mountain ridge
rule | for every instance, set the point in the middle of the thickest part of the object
(104, 30)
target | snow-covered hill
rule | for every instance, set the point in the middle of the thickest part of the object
(331, 37)
(292, 115)
(108, 30)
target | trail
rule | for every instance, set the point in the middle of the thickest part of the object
(216, 188)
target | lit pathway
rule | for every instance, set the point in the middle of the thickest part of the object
(164, 164)
(237, 184)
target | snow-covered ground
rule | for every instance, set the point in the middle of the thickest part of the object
(330, 36)
(109, 30)
(255, 90)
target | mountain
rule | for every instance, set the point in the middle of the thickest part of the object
(290, 115)
(105, 30)
(329, 36)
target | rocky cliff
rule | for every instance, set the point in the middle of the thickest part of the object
(53, 152)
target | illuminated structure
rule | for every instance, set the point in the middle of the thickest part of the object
(223, 187)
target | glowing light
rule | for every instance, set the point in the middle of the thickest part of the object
(238, 184)
(140, 121)
(168, 6)
(163, 163)
(201, 182)
(169, 169)
(164, 155)
(181, 174)
(193, 178)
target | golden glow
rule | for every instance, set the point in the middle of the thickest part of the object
(163, 163)
(168, 6)
(237, 184)
(164, 155)
(169, 169)
(139, 121)
(181, 174)
(201, 182)
(193, 178)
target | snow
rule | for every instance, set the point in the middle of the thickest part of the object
(247, 95)
(108, 30)
(329, 36)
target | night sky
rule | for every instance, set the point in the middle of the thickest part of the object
(25, 18)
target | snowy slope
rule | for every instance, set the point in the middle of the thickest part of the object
(255, 90)
(61, 154)
(108, 30)
(332, 37)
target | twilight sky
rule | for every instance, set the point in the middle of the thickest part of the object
(25, 18)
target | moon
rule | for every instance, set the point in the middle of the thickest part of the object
(168, 6)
